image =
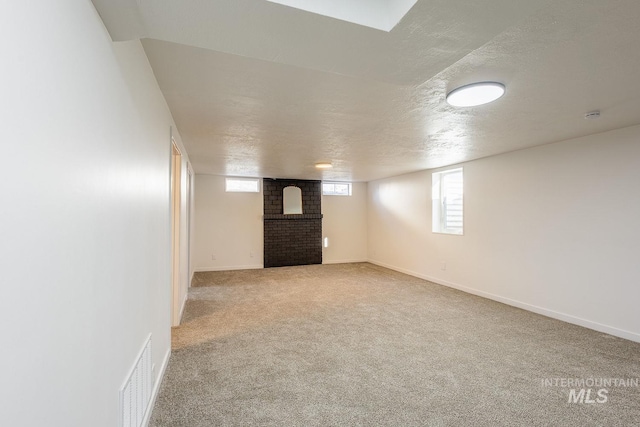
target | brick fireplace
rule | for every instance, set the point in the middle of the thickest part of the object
(293, 239)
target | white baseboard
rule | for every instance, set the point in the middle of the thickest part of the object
(632, 336)
(343, 261)
(232, 267)
(156, 387)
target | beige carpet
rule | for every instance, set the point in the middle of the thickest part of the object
(360, 345)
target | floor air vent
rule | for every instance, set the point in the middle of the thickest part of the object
(135, 394)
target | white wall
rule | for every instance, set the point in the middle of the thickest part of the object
(84, 223)
(344, 222)
(552, 229)
(229, 227)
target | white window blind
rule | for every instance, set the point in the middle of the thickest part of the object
(448, 206)
(336, 188)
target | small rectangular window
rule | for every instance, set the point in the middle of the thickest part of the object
(242, 185)
(336, 188)
(447, 201)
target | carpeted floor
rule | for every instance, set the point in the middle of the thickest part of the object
(360, 345)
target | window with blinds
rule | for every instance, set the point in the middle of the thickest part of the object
(336, 188)
(447, 201)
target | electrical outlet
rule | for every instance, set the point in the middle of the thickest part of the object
(443, 265)
(251, 254)
(213, 257)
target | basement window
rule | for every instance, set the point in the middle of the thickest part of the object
(447, 201)
(242, 185)
(336, 188)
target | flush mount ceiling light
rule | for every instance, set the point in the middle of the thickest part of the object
(324, 165)
(475, 94)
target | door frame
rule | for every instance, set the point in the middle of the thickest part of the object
(176, 199)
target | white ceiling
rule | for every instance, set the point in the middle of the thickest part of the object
(261, 89)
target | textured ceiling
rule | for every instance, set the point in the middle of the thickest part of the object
(261, 89)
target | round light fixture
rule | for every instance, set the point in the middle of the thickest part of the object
(475, 94)
(324, 165)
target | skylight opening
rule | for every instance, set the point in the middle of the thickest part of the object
(379, 14)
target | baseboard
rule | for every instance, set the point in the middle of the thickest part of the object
(156, 387)
(631, 336)
(233, 267)
(344, 261)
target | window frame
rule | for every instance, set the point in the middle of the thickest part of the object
(234, 179)
(440, 208)
(334, 193)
